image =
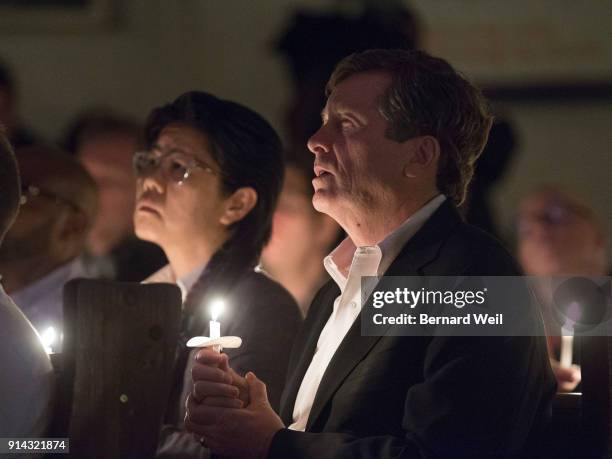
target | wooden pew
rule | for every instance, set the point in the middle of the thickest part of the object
(116, 367)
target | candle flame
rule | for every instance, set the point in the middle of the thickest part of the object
(216, 308)
(48, 338)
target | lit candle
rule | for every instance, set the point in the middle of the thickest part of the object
(567, 332)
(215, 340)
(215, 326)
(48, 338)
(567, 342)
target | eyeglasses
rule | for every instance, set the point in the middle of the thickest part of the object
(174, 166)
(553, 215)
(31, 192)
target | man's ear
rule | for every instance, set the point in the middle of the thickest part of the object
(238, 205)
(424, 154)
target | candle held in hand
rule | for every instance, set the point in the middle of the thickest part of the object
(567, 343)
(215, 326)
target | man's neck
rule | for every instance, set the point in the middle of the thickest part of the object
(367, 227)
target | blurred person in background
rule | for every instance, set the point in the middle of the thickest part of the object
(18, 135)
(105, 143)
(559, 235)
(26, 384)
(301, 237)
(41, 251)
(491, 168)
(207, 187)
(314, 42)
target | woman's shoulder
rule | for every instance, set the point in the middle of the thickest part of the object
(258, 288)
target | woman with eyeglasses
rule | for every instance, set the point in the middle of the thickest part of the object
(206, 190)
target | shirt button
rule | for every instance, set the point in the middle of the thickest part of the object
(353, 304)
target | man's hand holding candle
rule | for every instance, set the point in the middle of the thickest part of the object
(567, 377)
(213, 378)
(230, 413)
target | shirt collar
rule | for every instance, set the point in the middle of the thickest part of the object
(339, 262)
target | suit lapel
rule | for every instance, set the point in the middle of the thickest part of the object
(420, 251)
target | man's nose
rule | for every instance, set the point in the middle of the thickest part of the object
(318, 142)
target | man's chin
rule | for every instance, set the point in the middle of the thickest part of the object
(321, 201)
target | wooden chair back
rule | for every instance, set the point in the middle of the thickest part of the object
(116, 367)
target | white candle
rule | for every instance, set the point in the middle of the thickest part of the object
(215, 329)
(567, 343)
(567, 338)
(214, 326)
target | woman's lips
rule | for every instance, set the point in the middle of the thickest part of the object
(147, 208)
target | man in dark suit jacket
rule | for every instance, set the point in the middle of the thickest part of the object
(401, 131)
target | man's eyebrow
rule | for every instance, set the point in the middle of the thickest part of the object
(349, 112)
(339, 109)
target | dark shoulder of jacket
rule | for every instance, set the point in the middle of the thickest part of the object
(472, 251)
(257, 291)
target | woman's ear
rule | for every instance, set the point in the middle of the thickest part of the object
(424, 154)
(238, 205)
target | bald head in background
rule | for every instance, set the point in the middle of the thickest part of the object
(105, 142)
(60, 173)
(58, 207)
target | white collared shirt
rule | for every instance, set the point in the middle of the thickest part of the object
(346, 265)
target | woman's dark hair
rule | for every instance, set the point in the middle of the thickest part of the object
(249, 154)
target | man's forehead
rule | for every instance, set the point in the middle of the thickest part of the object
(546, 199)
(359, 91)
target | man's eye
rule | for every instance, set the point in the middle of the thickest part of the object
(347, 124)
